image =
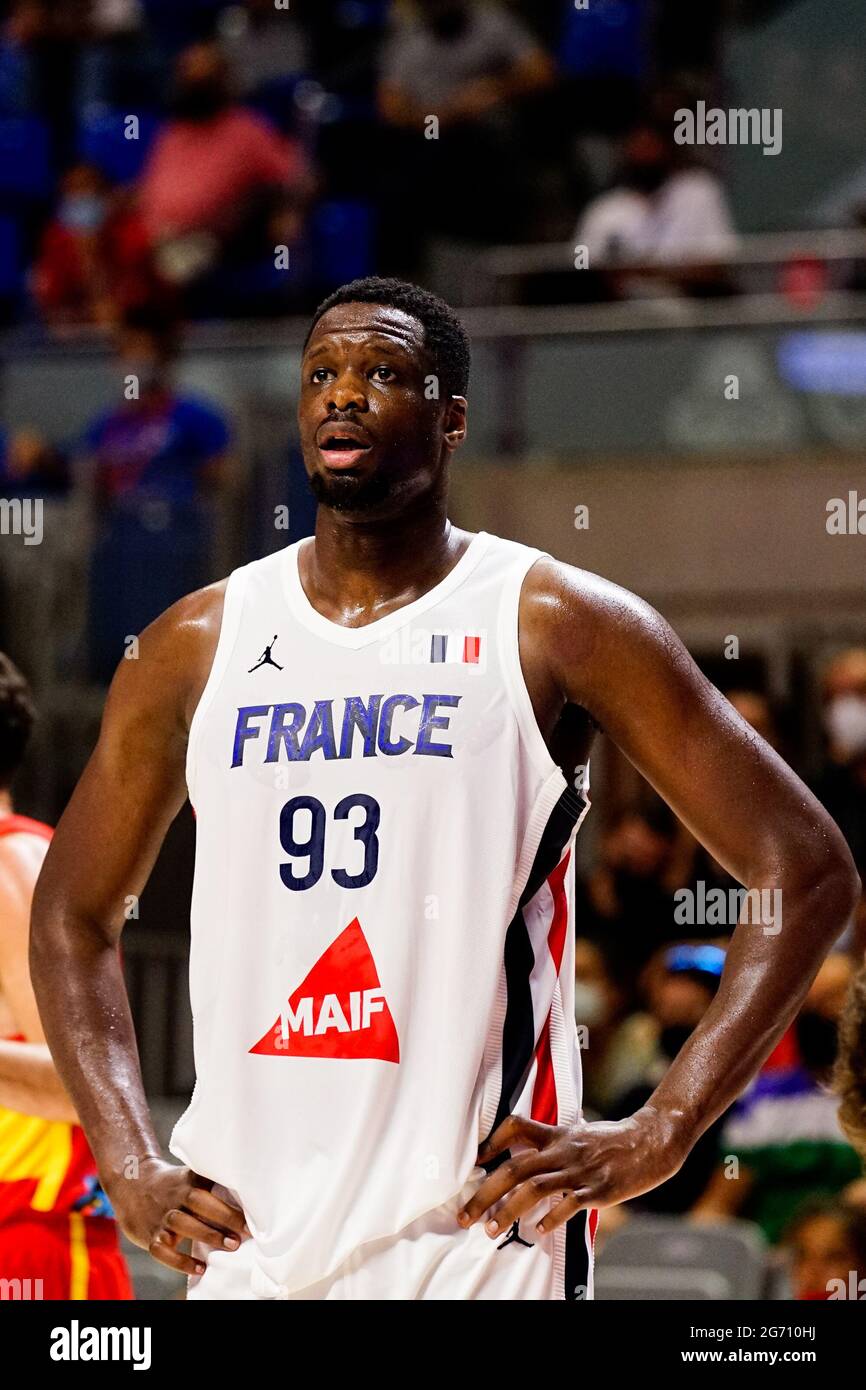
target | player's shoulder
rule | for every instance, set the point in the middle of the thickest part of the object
(193, 619)
(564, 602)
(552, 584)
(163, 668)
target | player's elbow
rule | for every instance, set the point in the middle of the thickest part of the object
(829, 877)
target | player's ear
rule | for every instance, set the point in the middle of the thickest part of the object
(455, 421)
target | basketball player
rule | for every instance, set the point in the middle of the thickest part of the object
(58, 1238)
(382, 918)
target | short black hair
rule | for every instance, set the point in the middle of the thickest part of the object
(17, 716)
(445, 338)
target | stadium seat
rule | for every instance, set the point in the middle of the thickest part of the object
(25, 158)
(102, 141)
(665, 1258)
(608, 36)
(10, 257)
(275, 100)
(343, 237)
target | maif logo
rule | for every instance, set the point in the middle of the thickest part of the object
(339, 1010)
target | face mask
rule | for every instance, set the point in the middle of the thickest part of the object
(589, 1003)
(816, 1039)
(82, 212)
(845, 722)
(672, 1038)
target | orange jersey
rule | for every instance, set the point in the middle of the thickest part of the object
(45, 1165)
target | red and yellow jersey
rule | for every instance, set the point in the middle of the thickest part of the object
(45, 1165)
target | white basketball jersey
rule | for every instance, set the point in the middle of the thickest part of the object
(382, 956)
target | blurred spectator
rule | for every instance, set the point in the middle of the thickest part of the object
(18, 87)
(842, 784)
(784, 1131)
(264, 45)
(469, 67)
(30, 466)
(119, 65)
(688, 980)
(665, 215)
(756, 709)
(217, 176)
(95, 259)
(43, 41)
(155, 461)
(626, 903)
(826, 1243)
(464, 64)
(616, 1046)
(849, 1074)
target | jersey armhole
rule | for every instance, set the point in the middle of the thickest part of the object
(229, 625)
(515, 681)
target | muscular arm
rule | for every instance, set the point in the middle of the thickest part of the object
(613, 654)
(590, 643)
(102, 852)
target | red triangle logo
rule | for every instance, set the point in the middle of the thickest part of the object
(339, 1010)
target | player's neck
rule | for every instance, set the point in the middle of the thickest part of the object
(7, 807)
(358, 566)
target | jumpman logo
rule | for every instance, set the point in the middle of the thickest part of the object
(514, 1237)
(266, 659)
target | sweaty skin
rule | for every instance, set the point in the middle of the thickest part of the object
(588, 649)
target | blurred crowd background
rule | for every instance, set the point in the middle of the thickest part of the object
(181, 181)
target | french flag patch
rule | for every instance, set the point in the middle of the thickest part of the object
(455, 647)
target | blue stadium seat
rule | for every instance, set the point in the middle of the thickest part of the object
(343, 237)
(275, 100)
(609, 36)
(10, 257)
(25, 158)
(102, 141)
(364, 14)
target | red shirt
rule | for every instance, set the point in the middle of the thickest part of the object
(45, 1165)
(199, 172)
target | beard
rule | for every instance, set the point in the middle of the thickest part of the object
(344, 493)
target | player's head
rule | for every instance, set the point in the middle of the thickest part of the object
(17, 714)
(386, 363)
(147, 342)
(849, 1073)
(825, 1240)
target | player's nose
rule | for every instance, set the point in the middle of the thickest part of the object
(347, 394)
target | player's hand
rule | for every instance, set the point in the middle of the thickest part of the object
(167, 1204)
(592, 1164)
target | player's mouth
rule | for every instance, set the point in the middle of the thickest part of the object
(343, 446)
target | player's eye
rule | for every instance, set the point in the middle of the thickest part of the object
(319, 373)
(389, 373)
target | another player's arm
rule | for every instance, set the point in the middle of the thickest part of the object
(30, 1085)
(101, 855)
(609, 652)
(28, 1077)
